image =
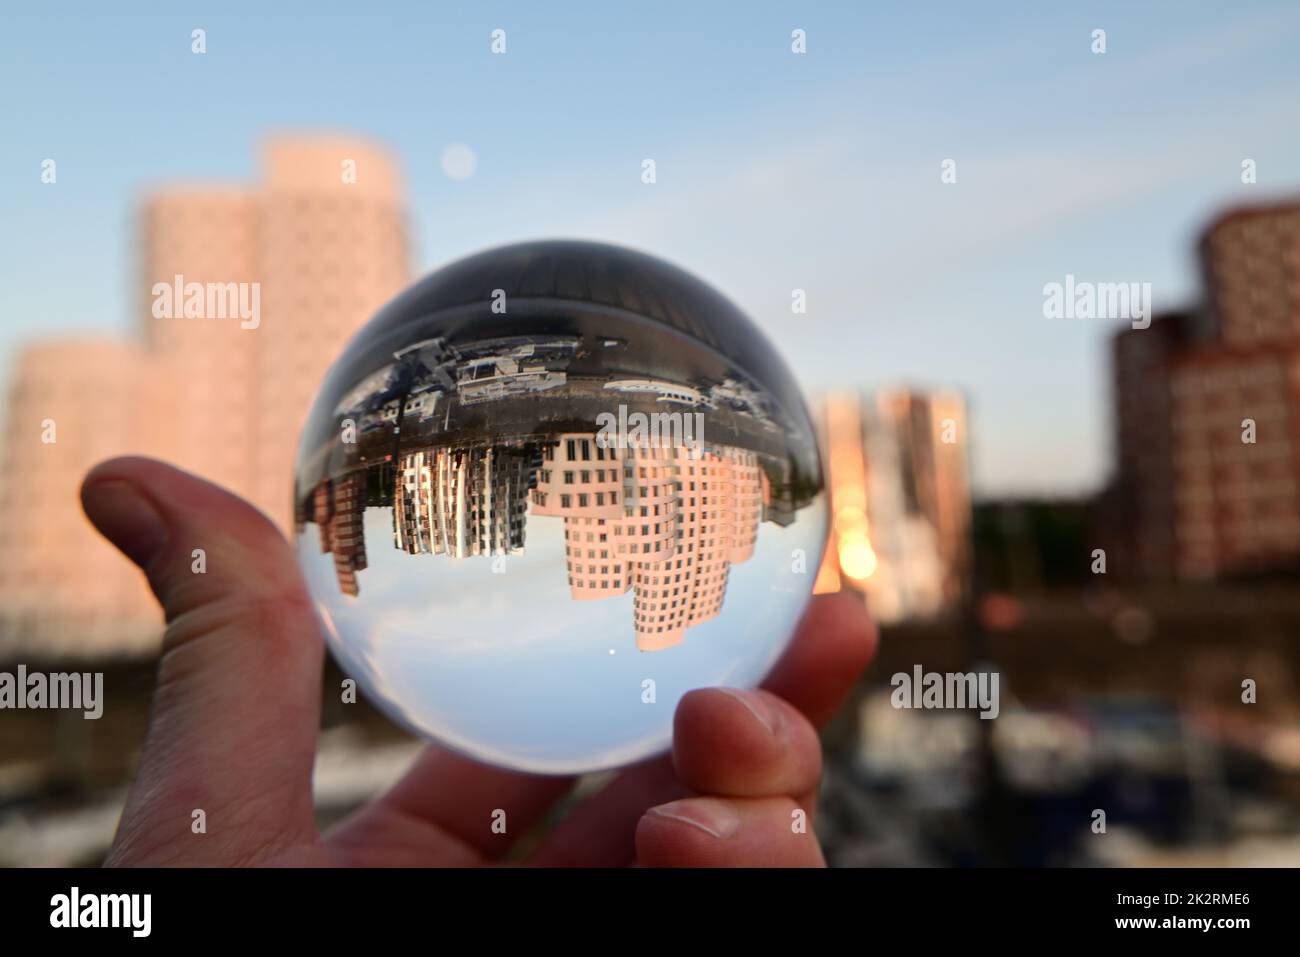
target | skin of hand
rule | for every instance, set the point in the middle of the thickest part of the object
(236, 712)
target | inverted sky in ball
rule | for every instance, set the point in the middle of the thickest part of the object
(547, 491)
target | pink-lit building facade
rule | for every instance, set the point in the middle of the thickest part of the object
(666, 523)
(322, 238)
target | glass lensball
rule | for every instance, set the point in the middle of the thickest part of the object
(555, 486)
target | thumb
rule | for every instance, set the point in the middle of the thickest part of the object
(237, 705)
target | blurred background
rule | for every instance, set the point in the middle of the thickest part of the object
(1067, 501)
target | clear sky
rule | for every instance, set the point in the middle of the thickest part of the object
(775, 171)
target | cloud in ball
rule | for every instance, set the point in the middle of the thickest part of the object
(459, 161)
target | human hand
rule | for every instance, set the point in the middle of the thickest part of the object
(236, 713)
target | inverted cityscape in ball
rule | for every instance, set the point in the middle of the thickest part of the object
(548, 490)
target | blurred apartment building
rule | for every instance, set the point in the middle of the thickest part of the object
(900, 500)
(323, 235)
(1207, 414)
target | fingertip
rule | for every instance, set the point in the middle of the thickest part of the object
(702, 707)
(691, 832)
(121, 512)
(727, 832)
(743, 744)
(125, 467)
(195, 540)
(153, 477)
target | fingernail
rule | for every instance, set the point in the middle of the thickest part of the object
(126, 518)
(762, 710)
(716, 818)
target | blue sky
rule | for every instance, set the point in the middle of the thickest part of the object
(775, 171)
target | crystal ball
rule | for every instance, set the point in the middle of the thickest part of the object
(548, 490)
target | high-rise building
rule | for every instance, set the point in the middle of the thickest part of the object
(1250, 264)
(323, 238)
(1207, 414)
(900, 500)
(1235, 423)
(203, 235)
(62, 587)
(331, 250)
(218, 383)
(1141, 509)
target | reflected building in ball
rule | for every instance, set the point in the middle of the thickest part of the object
(462, 502)
(337, 509)
(663, 522)
(487, 421)
(667, 523)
